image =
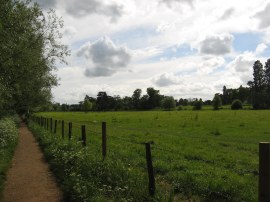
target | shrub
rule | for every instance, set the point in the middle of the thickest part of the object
(216, 102)
(168, 103)
(236, 104)
(197, 105)
(180, 107)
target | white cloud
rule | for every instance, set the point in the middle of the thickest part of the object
(148, 29)
(83, 8)
(217, 44)
(264, 17)
(242, 65)
(170, 2)
(260, 48)
(227, 14)
(165, 79)
(70, 31)
(209, 64)
(107, 58)
(145, 53)
(46, 4)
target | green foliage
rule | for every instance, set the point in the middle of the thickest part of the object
(136, 98)
(216, 102)
(8, 132)
(236, 104)
(180, 107)
(8, 142)
(168, 103)
(260, 90)
(87, 105)
(241, 93)
(30, 48)
(197, 105)
(154, 98)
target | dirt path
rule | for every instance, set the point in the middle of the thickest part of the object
(29, 178)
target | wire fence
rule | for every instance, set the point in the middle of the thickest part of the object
(99, 134)
(95, 134)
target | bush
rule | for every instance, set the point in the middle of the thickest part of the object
(216, 102)
(180, 107)
(168, 103)
(237, 104)
(197, 105)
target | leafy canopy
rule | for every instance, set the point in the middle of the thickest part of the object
(29, 53)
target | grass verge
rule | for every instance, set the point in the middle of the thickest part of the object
(8, 142)
(84, 176)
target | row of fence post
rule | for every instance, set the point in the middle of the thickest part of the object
(47, 123)
(44, 122)
(264, 157)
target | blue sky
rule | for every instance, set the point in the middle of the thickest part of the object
(185, 50)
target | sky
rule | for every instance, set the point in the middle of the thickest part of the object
(184, 48)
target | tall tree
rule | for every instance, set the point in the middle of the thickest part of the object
(87, 105)
(267, 82)
(102, 101)
(216, 102)
(136, 98)
(258, 76)
(225, 95)
(258, 86)
(29, 52)
(154, 97)
(267, 74)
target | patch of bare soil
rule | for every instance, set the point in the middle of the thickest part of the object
(29, 179)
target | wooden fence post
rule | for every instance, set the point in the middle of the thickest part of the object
(47, 123)
(151, 177)
(69, 130)
(264, 172)
(104, 140)
(63, 129)
(83, 136)
(55, 126)
(51, 124)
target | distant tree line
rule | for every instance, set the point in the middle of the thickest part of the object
(151, 100)
(257, 94)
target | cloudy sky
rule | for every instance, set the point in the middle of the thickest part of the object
(184, 48)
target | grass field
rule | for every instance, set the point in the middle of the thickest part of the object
(201, 155)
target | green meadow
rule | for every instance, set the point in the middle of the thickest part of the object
(197, 155)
